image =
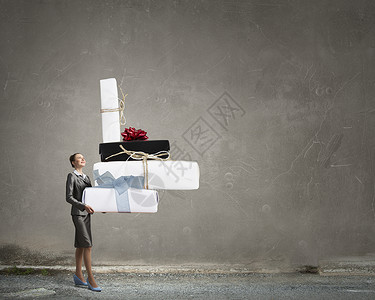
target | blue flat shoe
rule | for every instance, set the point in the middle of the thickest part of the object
(78, 281)
(97, 289)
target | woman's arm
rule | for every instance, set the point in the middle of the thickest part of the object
(69, 194)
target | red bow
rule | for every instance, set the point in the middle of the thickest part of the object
(131, 134)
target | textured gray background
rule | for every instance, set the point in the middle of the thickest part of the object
(288, 180)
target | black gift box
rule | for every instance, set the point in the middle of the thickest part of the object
(149, 147)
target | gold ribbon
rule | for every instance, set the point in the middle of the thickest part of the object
(139, 155)
(121, 108)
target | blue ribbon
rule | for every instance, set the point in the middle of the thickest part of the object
(121, 186)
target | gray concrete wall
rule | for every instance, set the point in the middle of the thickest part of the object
(287, 177)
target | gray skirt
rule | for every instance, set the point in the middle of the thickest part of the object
(83, 237)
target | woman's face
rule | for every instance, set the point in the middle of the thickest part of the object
(79, 161)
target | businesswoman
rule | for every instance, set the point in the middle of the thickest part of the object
(76, 182)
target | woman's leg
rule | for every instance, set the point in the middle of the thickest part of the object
(87, 259)
(79, 256)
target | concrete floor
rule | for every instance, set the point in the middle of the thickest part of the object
(190, 286)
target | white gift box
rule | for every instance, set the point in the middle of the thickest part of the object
(107, 200)
(167, 175)
(110, 119)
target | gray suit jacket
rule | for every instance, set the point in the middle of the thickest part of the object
(74, 189)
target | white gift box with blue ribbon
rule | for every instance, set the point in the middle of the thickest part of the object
(124, 194)
(105, 200)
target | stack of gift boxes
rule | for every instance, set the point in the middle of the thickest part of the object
(130, 172)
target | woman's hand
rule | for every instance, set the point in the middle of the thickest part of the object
(89, 209)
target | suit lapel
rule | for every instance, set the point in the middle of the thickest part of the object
(86, 180)
(81, 178)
